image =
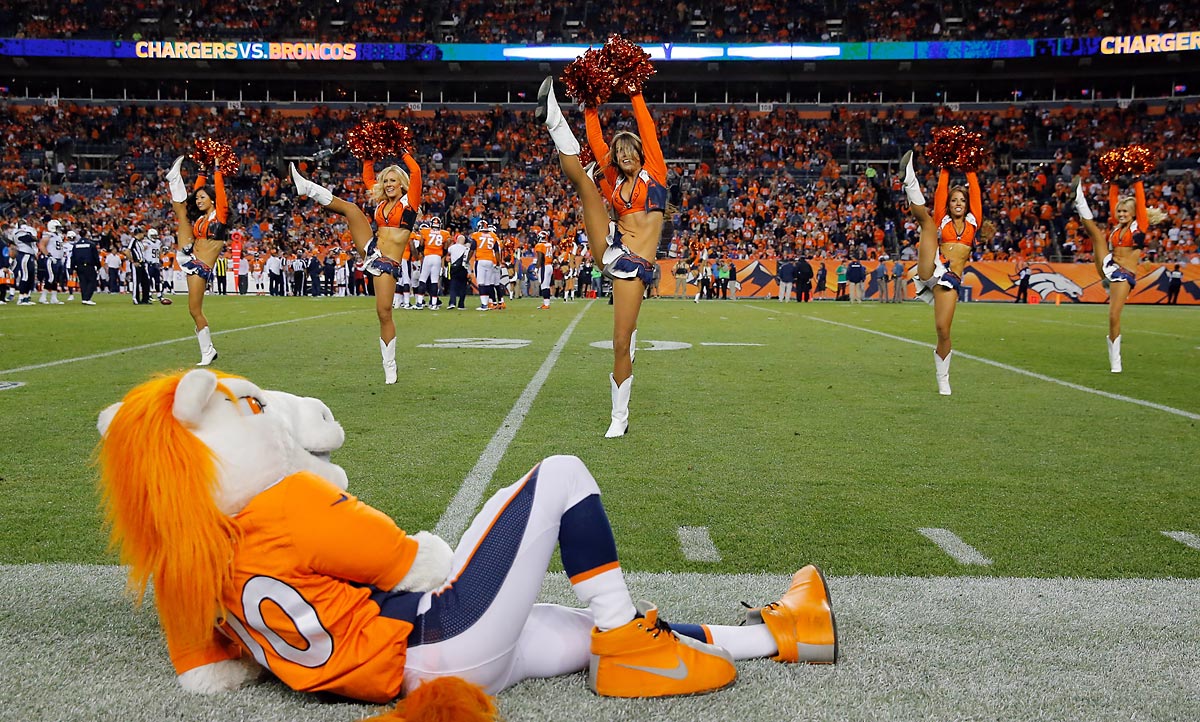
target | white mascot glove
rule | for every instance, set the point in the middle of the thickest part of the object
(431, 567)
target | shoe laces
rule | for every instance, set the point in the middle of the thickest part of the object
(659, 627)
(751, 607)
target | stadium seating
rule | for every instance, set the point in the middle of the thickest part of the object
(794, 182)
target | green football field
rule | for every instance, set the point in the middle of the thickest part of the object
(1022, 513)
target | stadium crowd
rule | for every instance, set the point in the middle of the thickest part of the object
(745, 184)
(553, 21)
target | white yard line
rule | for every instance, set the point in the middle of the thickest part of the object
(1006, 367)
(959, 550)
(1185, 538)
(1104, 325)
(697, 545)
(463, 506)
(192, 338)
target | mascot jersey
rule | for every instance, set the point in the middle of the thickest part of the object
(307, 569)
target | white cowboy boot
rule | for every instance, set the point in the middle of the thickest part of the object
(620, 407)
(941, 368)
(388, 351)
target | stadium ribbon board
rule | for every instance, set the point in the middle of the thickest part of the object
(686, 52)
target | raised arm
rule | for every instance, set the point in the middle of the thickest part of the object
(222, 200)
(975, 197)
(369, 174)
(1143, 217)
(1114, 198)
(414, 182)
(655, 164)
(595, 134)
(941, 196)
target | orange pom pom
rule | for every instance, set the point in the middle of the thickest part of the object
(629, 64)
(213, 153)
(445, 699)
(588, 79)
(1129, 160)
(954, 147)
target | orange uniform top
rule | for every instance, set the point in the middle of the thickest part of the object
(434, 240)
(300, 603)
(545, 249)
(487, 245)
(391, 217)
(1133, 235)
(649, 191)
(212, 224)
(941, 198)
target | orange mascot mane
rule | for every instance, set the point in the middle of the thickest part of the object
(157, 484)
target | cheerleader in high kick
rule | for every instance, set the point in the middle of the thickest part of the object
(947, 234)
(202, 228)
(1119, 251)
(632, 175)
(397, 195)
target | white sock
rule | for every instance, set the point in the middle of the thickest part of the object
(747, 642)
(607, 597)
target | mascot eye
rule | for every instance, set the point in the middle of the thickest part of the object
(251, 405)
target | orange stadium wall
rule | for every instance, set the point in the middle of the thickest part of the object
(988, 280)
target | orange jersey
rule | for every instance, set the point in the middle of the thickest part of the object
(947, 233)
(434, 240)
(308, 561)
(1134, 234)
(212, 224)
(649, 188)
(545, 249)
(392, 217)
(486, 245)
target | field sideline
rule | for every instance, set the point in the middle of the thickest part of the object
(824, 441)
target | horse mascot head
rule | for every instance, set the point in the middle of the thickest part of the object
(214, 488)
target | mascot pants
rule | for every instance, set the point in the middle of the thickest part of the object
(484, 624)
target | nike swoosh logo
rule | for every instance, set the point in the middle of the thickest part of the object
(679, 671)
(339, 501)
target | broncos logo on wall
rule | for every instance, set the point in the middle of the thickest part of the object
(754, 276)
(991, 280)
(1046, 282)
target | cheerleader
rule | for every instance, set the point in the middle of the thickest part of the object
(398, 197)
(633, 179)
(202, 228)
(1118, 252)
(943, 251)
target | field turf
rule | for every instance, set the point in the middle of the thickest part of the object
(791, 433)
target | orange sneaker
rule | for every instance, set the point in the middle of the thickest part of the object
(802, 622)
(644, 658)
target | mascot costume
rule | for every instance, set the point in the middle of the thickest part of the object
(223, 493)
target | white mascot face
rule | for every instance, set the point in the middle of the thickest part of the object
(257, 437)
